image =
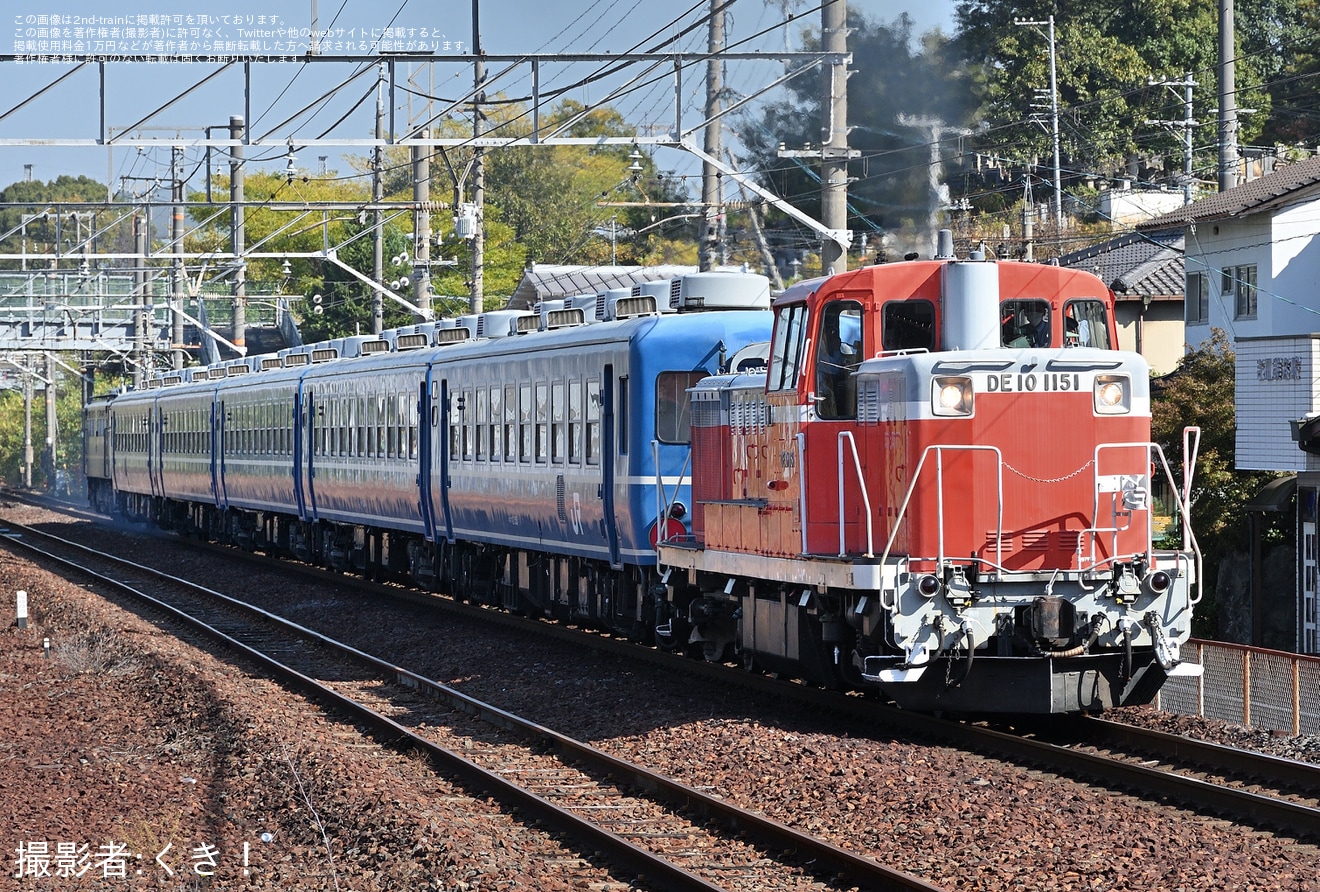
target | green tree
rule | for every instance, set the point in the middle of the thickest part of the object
(1200, 393)
(49, 225)
(1106, 53)
(68, 436)
(1293, 59)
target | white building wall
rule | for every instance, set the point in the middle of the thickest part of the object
(1294, 293)
(1213, 247)
(1275, 383)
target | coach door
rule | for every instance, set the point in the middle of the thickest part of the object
(608, 457)
(155, 436)
(218, 452)
(434, 458)
(304, 441)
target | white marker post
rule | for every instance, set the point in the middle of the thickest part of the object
(20, 598)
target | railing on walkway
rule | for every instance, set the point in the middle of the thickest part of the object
(1248, 686)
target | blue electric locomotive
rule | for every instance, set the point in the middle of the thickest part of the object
(528, 459)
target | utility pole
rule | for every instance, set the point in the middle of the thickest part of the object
(177, 290)
(834, 144)
(1188, 124)
(27, 427)
(421, 275)
(52, 423)
(1028, 221)
(478, 299)
(142, 319)
(710, 178)
(377, 193)
(1054, 119)
(238, 231)
(1228, 149)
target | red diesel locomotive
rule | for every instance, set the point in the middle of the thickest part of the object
(941, 487)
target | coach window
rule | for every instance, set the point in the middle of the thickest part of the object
(367, 434)
(1085, 324)
(410, 407)
(350, 426)
(391, 427)
(557, 432)
(403, 402)
(496, 432)
(839, 352)
(338, 422)
(593, 421)
(575, 422)
(364, 426)
(510, 423)
(908, 325)
(672, 406)
(542, 422)
(483, 421)
(467, 409)
(525, 423)
(382, 421)
(786, 350)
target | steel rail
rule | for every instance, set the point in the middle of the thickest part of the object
(839, 863)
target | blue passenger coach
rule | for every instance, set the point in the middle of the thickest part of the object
(529, 459)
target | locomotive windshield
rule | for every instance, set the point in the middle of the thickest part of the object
(1026, 323)
(1085, 325)
(786, 351)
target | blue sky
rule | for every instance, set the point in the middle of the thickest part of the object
(135, 90)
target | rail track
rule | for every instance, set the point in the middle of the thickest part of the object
(670, 835)
(1247, 787)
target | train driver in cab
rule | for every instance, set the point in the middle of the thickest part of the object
(835, 361)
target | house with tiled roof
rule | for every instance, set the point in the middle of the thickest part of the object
(1252, 257)
(1145, 272)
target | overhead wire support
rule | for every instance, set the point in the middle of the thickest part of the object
(1188, 125)
(1054, 115)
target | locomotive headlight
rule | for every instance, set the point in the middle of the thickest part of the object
(929, 586)
(1159, 582)
(952, 395)
(1113, 395)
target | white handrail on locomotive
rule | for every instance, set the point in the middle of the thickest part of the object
(939, 449)
(1094, 563)
(866, 499)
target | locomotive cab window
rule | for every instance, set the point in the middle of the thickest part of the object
(908, 325)
(838, 353)
(673, 409)
(1026, 323)
(1085, 324)
(786, 349)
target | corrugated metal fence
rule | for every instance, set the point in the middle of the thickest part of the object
(1248, 686)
